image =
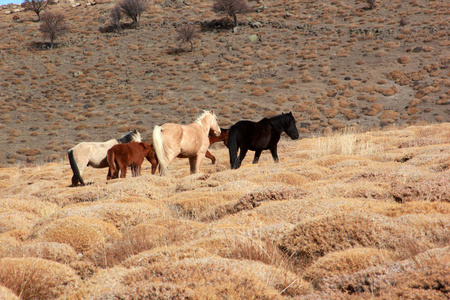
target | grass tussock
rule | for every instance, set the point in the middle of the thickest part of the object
(82, 234)
(333, 225)
(37, 278)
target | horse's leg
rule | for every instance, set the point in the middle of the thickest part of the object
(123, 170)
(273, 150)
(211, 157)
(193, 163)
(257, 155)
(242, 153)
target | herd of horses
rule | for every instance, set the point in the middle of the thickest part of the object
(190, 141)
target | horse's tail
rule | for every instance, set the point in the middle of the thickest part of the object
(111, 157)
(159, 149)
(76, 172)
(232, 147)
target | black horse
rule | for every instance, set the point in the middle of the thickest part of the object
(259, 136)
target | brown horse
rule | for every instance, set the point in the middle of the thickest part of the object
(185, 141)
(121, 156)
(223, 137)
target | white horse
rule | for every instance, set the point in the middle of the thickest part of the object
(94, 154)
(185, 141)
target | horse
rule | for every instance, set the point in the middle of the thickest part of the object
(132, 154)
(185, 141)
(94, 154)
(223, 137)
(259, 136)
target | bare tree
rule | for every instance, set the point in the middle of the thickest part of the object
(231, 8)
(186, 34)
(371, 3)
(53, 26)
(134, 9)
(116, 16)
(36, 5)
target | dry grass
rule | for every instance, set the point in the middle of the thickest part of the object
(37, 278)
(320, 224)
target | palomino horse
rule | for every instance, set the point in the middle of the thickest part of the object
(94, 154)
(223, 137)
(132, 154)
(185, 141)
(259, 136)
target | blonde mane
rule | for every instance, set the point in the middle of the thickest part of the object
(205, 112)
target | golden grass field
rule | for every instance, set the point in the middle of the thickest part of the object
(351, 215)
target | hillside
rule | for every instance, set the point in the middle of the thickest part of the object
(349, 216)
(332, 63)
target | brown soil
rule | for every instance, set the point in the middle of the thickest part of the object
(332, 63)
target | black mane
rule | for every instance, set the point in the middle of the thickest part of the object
(127, 137)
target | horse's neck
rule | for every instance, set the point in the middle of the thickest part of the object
(111, 143)
(279, 124)
(204, 124)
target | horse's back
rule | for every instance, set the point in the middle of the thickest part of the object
(252, 135)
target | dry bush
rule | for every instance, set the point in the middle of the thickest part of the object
(35, 278)
(419, 142)
(348, 142)
(143, 237)
(231, 8)
(316, 237)
(251, 200)
(267, 252)
(347, 262)
(426, 276)
(232, 279)
(134, 9)
(431, 188)
(61, 253)
(11, 219)
(121, 215)
(116, 17)
(53, 26)
(186, 34)
(165, 254)
(81, 233)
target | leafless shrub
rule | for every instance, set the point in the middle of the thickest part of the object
(186, 34)
(53, 26)
(371, 3)
(133, 9)
(36, 5)
(231, 8)
(116, 16)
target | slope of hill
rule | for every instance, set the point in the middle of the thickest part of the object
(349, 216)
(333, 63)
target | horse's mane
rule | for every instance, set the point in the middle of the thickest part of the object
(205, 112)
(280, 118)
(128, 137)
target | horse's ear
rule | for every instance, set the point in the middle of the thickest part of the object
(212, 111)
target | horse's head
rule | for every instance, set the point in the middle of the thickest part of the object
(291, 128)
(211, 119)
